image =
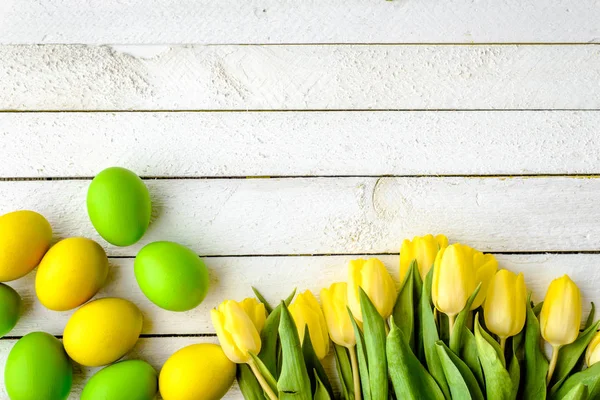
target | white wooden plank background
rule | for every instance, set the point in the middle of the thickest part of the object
(288, 21)
(343, 94)
(198, 144)
(58, 77)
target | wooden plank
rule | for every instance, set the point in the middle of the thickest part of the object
(339, 215)
(191, 144)
(153, 350)
(270, 21)
(59, 77)
(275, 277)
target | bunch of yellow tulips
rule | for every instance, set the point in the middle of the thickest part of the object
(458, 328)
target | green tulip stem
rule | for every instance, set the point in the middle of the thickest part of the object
(451, 319)
(503, 343)
(261, 379)
(552, 362)
(355, 372)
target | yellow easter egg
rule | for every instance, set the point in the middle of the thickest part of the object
(196, 372)
(71, 273)
(24, 239)
(102, 331)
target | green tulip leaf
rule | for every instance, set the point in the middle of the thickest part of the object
(344, 371)
(374, 330)
(418, 333)
(363, 365)
(514, 369)
(260, 298)
(589, 378)
(462, 382)
(270, 337)
(536, 364)
(262, 368)
(404, 310)
(569, 355)
(469, 355)
(248, 383)
(579, 392)
(537, 309)
(497, 379)
(410, 379)
(430, 336)
(321, 392)
(313, 363)
(590, 319)
(460, 322)
(294, 382)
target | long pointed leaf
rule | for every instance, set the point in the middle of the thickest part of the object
(294, 382)
(590, 319)
(589, 377)
(410, 380)
(536, 364)
(363, 362)
(313, 363)
(374, 329)
(514, 368)
(461, 320)
(404, 309)
(579, 392)
(344, 370)
(265, 372)
(248, 384)
(497, 379)
(321, 392)
(430, 336)
(260, 298)
(470, 356)
(462, 382)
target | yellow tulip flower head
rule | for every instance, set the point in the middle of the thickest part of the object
(306, 312)
(592, 354)
(423, 249)
(236, 330)
(458, 270)
(335, 303)
(560, 317)
(256, 311)
(505, 303)
(372, 276)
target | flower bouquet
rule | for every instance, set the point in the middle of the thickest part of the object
(458, 328)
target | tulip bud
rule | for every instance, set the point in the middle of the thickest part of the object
(256, 311)
(236, 330)
(423, 249)
(372, 276)
(504, 308)
(560, 317)
(335, 303)
(306, 311)
(592, 354)
(459, 269)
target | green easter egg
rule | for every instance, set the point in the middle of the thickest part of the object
(10, 308)
(172, 276)
(37, 368)
(125, 380)
(118, 203)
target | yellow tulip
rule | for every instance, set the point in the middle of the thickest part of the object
(423, 249)
(592, 354)
(504, 308)
(560, 317)
(372, 276)
(335, 303)
(256, 311)
(458, 270)
(238, 332)
(306, 311)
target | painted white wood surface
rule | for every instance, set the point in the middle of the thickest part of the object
(288, 21)
(299, 77)
(276, 277)
(199, 144)
(339, 215)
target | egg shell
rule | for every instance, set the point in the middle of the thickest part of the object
(118, 204)
(71, 273)
(172, 276)
(199, 371)
(10, 308)
(37, 368)
(125, 380)
(24, 239)
(102, 331)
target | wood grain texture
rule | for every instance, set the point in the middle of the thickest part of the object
(153, 350)
(276, 277)
(270, 21)
(199, 144)
(339, 215)
(58, 77)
